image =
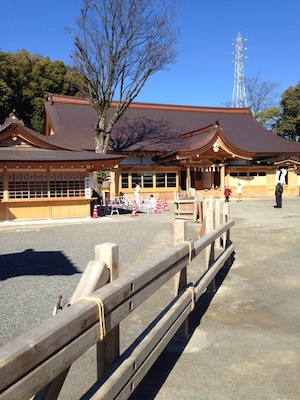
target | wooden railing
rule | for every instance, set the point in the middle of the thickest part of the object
(36, 363)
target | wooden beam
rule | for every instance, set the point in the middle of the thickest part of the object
(94, 276)
(37, 357)
(108, 350)
(180, 278)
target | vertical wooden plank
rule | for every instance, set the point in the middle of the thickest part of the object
(226, 217)
(200, 208)
(226, 236)
(179, 231)
(226, 211)
(109, 254)
(94, 277)
(217, 221)
(195, 210)
(180, 279)
(108, 350)
(203, 222)
(210, 250)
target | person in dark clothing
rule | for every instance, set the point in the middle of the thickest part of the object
(96, 200)
(278, 195)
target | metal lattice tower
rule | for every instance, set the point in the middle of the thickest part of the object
(239, 93)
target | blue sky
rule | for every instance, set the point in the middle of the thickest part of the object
(204, 72)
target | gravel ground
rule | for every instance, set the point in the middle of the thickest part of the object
(39, 262)
(244, 342)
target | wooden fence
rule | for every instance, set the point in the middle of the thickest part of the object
(36, 363)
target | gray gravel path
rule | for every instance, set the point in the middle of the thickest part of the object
(245, 341)
(38, 262)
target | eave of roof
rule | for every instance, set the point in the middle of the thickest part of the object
(34, 138)
(34, 154)
(197, 143)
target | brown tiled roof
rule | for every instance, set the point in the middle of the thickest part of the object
(30, 146)
(42, 155)
(33, 136)
(73, 119)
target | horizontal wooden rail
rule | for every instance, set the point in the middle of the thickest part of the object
(33, 360)
(138, 359)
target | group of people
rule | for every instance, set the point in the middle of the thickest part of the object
(278, 193)
(137, 197)
(227, 192)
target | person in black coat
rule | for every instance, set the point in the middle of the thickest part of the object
(96, 200)
(278, 195)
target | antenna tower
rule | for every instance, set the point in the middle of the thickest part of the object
(239, 93)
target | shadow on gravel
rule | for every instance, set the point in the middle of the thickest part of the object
(35, 263)
(154, 380)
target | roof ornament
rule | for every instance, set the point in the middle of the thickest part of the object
(12, 119)
(216, 147)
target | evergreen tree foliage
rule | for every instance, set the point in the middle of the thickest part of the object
(24, 80)
(269, 118)
(289, 123)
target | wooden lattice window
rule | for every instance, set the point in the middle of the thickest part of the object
(39, 185)
(1, 186)
(67, 185)
(29, 185)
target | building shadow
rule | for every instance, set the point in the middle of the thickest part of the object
(31, 262)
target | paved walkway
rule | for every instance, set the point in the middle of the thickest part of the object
(247, 344)
(245, 337)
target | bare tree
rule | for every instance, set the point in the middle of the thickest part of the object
(119, 44)
(260, 94)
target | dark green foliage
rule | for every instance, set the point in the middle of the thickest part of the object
(268, 118)
(24, 79)
(289, 123)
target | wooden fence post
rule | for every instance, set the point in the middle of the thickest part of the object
(210, 249)
(218, 220)
(195, 210)
(203, 222)
(180, 279)
(108, 350)
(226, 235)
(94, 277)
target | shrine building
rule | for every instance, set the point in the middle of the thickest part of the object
(167, 148)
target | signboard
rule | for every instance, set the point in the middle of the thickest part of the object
(87, 187)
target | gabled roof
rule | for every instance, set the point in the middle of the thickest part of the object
(71, 120)
(15, 134)
(210, 138)
(19, 143)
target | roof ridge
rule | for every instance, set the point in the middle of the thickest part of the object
(60, 98)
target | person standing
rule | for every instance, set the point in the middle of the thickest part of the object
(96, 201)
(283, 176)
(227, 193)
(278, 195)
(239, 191)
(137, 193)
